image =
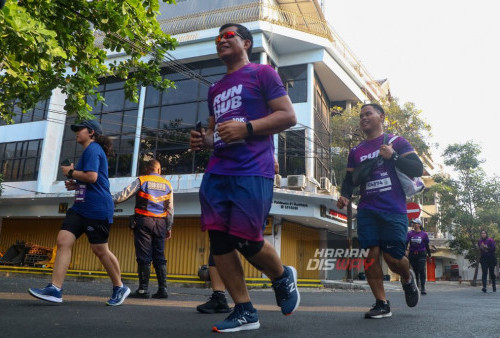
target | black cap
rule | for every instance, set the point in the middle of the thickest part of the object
(91, 124)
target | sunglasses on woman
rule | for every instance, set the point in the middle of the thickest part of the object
(227, 35)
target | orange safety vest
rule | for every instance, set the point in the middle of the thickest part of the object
(153, 196)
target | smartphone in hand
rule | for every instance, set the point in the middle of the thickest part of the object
(66, 162)
(198, 126)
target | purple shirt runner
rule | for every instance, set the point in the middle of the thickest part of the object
(382, 191)
(417, 240)
(490, 250)
(243, 96)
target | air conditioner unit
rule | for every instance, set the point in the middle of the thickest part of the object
(296, 182)
(325, 185)
(277, 181)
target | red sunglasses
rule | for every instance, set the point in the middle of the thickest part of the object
(227, 35)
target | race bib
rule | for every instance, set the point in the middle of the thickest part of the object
(80, 192)
(379, 185)
(219, 143)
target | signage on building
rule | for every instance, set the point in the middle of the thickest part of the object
(331, 214)
(290, 205)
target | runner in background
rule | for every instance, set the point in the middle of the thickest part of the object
(417, 243)
(92, 213)
(488, 260)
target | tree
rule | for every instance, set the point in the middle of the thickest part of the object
(469, 202)
(49, 44)
(403, 120)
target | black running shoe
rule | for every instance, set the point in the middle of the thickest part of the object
(412, 293)
(379, 310)
(216, 304)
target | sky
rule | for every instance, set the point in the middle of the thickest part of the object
(442, 55)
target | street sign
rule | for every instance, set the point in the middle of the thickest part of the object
(413, 210)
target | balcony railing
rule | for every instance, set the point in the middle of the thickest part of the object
(246, 13)
(268, 13)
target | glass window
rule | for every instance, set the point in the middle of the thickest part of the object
(170, 115)
(118, 118)
(291, 152)
(19, 161)
(295, 80)
(38, 113)
(322, 132)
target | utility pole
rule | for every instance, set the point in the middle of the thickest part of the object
(349, 237)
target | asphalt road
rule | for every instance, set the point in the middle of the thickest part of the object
(447, 311)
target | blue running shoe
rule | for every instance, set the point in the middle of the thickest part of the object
(286, 291)
(49, 293)
(120, 293)
(239, 320)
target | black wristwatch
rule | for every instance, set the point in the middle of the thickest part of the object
(394, 156)
(70, 173)
(249, 129)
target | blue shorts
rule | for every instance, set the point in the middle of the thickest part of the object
(237, 205)
(383, 229)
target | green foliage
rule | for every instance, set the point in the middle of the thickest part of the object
(469, 202)
(49, 44)
(1, 180)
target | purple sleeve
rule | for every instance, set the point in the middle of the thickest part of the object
(492, 242)
(271, 84)
(402, 146)
(351, 164)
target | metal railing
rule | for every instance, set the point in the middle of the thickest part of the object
(274, 15)
(245, 13)
(268, 13)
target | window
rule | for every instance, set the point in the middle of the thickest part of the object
(322, 130)
(118, 118)
(291, 152)
(20, 161)
(295, 80)
(38, 113)
(170, 115)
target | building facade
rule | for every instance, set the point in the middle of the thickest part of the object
(317, 70)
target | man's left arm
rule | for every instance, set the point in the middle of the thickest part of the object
(427, 248)
(170, 211)
(409, 163)
(127, 192)
(281, 118)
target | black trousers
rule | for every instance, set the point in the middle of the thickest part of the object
(149, 240)
(418, 262)
(488, 264)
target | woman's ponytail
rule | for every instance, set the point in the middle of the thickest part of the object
(106, 143)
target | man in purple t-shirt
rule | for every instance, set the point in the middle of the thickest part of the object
(247, 106)
(418, 252)
(488, 260)
(381, 217)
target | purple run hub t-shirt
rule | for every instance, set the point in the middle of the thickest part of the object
(382, 191)
(243, 96)
(490, 243)
(417, 240)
